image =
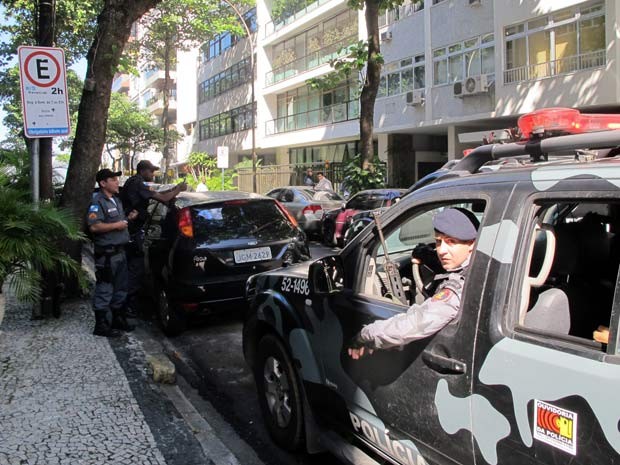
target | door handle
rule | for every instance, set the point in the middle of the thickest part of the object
(443, 364)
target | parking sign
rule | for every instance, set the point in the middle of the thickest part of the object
(45, 103)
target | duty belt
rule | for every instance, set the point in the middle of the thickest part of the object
(109, 250)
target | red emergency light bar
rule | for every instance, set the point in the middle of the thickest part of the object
(564, 121)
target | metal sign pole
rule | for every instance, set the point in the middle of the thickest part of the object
(34, 172)
(222, 178)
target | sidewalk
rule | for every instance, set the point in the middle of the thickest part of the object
(68, 397)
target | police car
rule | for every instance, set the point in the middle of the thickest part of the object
(529, 370)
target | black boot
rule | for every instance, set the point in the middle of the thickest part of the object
(102, 328)
(119, 320)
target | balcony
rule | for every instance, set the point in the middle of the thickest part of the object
(274, 26)
(121, 83)
(555, 68)
(154, 78)
(308, 119)
(155, 105)
(310, 61)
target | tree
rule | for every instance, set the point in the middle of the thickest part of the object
(130, 131)
(364, 58)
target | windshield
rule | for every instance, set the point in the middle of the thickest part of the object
(260, 219)
(366, 202)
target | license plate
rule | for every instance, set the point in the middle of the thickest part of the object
(252, 255)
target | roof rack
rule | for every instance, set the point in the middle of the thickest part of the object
(538, 149)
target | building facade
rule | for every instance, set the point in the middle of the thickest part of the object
(454, 69)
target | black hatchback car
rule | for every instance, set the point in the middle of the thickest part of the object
(202, 247)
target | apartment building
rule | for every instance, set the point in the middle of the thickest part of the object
(454, 69)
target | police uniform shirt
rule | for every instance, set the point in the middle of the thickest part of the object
(136, 195)
(419, 321)
(107, 210)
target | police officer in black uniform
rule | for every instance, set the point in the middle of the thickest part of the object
(108, 224)
(136, 195)
(455, 234)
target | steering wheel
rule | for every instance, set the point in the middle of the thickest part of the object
(422, 277)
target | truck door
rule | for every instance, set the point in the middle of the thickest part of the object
(547, 350)
(409, 404)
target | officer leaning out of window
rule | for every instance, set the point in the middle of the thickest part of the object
(108, 224)
(455, 235)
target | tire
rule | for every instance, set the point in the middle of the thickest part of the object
(279, 394)
(172, 321)
(328, 234)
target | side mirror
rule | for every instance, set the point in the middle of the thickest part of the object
(326, 276)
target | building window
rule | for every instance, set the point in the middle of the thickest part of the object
(223, 42)
(332, 153)
(408, 8)
(305, 108)
(402, 76)
(314, 47)
(228, 122)
(458, 61)
(565, 41)
(232, 77)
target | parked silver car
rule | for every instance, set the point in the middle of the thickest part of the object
(306, 205)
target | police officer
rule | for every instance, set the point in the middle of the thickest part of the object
(455, 234)
(108, 225)
(136, 195)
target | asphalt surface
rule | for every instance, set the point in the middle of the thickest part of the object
(209, 357)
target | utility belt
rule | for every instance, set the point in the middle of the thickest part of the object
(108, 250)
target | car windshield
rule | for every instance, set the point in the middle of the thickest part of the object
(236, 219)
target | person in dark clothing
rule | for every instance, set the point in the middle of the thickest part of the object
(108, 224)
(135, 196)
(309, 178)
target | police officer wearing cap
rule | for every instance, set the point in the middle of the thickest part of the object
(455, 234)
(136, 195)
(108, 225)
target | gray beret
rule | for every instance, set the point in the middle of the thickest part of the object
(457, 224)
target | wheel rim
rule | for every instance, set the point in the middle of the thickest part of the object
(277, 392)
(164, 308)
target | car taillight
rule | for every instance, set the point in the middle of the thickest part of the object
(286, 213)
(185, 222)
(312, 209)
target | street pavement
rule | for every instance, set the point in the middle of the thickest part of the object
(68, 397)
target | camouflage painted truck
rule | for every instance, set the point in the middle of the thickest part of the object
(529, 370)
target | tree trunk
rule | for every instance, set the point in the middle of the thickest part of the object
(113, 30)
(165, 120)
(371, 84)
(45, 38)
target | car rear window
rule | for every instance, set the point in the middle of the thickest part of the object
(326, 195)
(367, 202)
(261, 219)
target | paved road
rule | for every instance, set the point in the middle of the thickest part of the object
(212, 349)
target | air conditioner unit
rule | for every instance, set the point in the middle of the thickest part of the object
(474, 2)
(415, 98)
(471, 86)
(386, 36)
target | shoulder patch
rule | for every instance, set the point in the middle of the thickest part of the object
(92, 216)
(94, 208)
(442, 295)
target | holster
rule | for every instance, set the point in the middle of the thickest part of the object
(103, 273)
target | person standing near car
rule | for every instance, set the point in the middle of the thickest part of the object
(135, 196)
(108, 224)
(324, 184)
(308, 178)
(455, 234)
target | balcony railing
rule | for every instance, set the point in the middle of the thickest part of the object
(274, 26)
(310, 61)
(556, 67)
(308, 119)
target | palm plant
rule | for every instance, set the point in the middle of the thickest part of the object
(29, 242)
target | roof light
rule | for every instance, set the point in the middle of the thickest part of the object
(185, 222)
(565, 121)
